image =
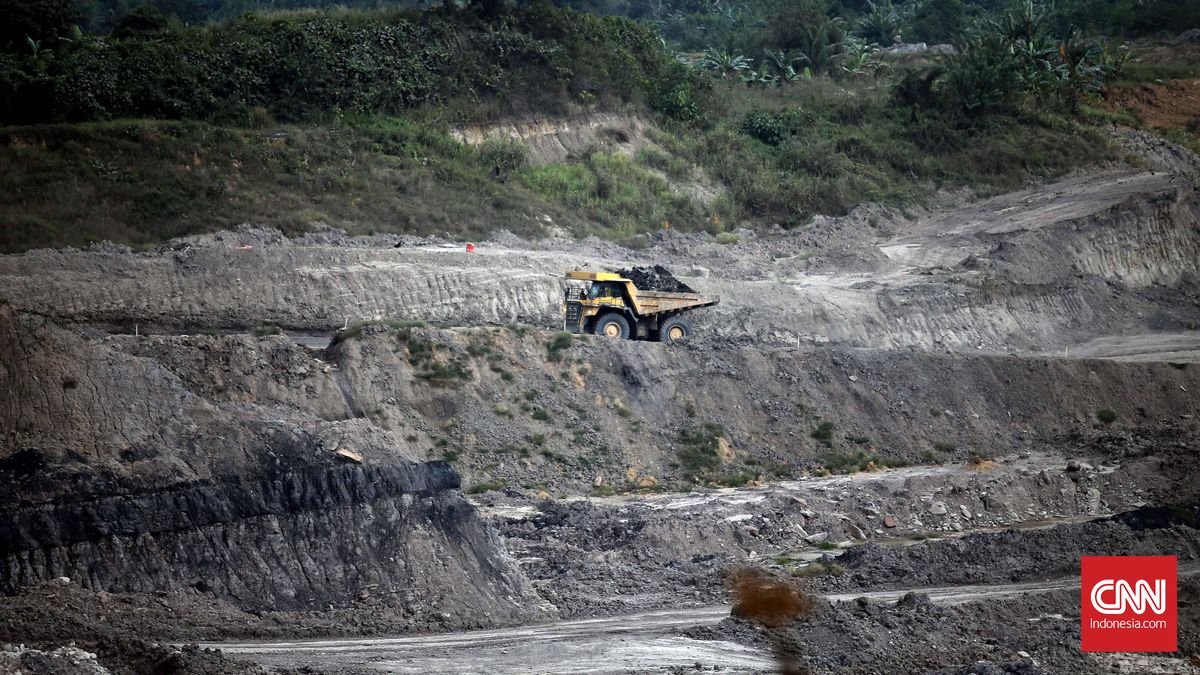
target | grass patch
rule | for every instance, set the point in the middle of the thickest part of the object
(541, 415)
(267, 331)
(614, 191)
(487, 486)
(823, 433)
(857, 461)
(817, 569)
(446, 374)
(732, 478)
(944, 446)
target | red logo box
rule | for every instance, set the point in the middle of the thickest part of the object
(1128, 604)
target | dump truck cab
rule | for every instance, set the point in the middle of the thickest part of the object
(604, 303)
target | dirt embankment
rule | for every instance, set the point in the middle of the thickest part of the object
(121, 477)
(1042, 270)
(505, 407)
(192, 479)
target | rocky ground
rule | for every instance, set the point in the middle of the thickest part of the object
(240, 436)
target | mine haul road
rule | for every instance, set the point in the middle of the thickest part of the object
(644, 642)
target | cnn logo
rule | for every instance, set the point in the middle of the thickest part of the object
(1128, 604)
(1126, 597)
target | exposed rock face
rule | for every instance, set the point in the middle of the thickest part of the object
(303, 539)
(116, 474)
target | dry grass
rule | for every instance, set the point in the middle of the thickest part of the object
(980, 464)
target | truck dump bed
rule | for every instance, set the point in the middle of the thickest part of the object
(655, 302)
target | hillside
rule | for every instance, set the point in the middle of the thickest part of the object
(350, 119)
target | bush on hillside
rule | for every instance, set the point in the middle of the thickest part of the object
(313, 65)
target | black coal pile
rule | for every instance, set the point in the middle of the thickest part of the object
(657, 278)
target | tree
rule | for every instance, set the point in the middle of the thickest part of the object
(938, 21)
(144, 19)
(39, 21)
(881, 24)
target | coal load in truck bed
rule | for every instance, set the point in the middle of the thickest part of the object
(657, 278)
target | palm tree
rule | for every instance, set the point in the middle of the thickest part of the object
(821, 43)
(881, 25)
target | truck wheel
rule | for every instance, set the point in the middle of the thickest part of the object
(674, 329)
(612, 325)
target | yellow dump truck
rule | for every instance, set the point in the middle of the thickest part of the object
(604, 303)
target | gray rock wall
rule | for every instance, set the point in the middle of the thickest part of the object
(302, 539)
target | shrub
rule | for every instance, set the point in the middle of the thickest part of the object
(1106, 415)
(486, 486)
(556, 346)
(699, 448)
(603, 490)
(505, 156)
(823, 433)
(766, 127)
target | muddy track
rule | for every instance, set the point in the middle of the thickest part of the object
(644, 642)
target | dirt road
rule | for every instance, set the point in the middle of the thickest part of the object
(646, 642)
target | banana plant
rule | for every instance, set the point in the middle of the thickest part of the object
(860, 58)
(724, 62)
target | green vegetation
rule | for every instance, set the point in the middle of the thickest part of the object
(732, 478)
(486, 486)
(555, 347)
(1106, 415)
(859, 460)
(267, 331)
(944, 446)
(314, 66)
(699, 449)
(170, 117)
(817, 569)
(823, 433)
(612, 190)
(445, 374)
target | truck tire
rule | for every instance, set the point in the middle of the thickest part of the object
(674, 329)
(612, 325)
